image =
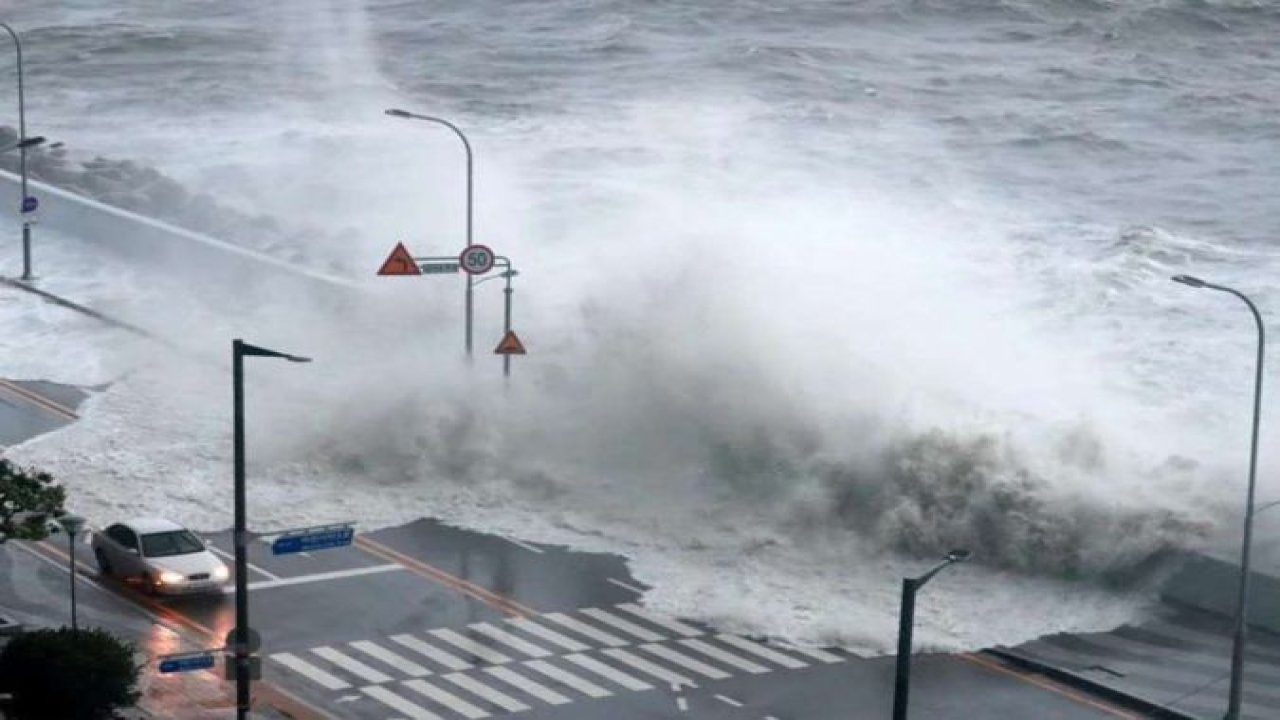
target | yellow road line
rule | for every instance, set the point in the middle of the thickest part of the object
(1050, 686)
(39, 400)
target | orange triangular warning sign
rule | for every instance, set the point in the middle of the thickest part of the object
(510, 345)
(400, 262)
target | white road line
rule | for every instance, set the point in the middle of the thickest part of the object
(584, 629)
(547, 634)
(351, 665)
(625, 626)
(321, 577)
(645, 666)
(681, 704)
(815, 653)
(660, 621)
(728, 700)
(501, 699)
(250, 565)
(565, 677)
(311, 672)
(398, 662)
(449, 660)
(625, 586)
(725, 657)
(483, 652)
(627, 681)
(399, 704)
(697, 666)
(446, 698)
(542, 692)
(503, 636)
(762, 651)
(526, 546)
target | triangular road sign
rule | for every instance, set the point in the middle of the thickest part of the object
(510, 345)
(400, 262)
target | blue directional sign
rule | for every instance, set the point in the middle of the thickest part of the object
(186, 662)
(319, 538)
(30, 204)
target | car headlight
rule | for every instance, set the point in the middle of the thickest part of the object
(221, 573)
(169, 577)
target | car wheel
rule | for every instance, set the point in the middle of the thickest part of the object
(104, 565)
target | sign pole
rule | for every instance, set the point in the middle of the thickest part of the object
(506, 323)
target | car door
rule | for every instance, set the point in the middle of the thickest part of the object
(125, 551)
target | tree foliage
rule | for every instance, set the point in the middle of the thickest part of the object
(68, 674)
(28, 499)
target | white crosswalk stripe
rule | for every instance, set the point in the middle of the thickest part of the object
(565, 677)
(673, 625)
(627, 681)
(479, 689)
(446, 698)
(542, 692)
(645, 666)
(311, 672)
(584, 629)
(697, 666)
(625, 626)
(510, 640)
(814, 653)
(762, 651)
(547, 634)
(399, 704)
(401, 663)
(449, 660)
(724, 656)
(484, 652)
(351, 665)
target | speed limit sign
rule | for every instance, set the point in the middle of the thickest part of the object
(476, 259)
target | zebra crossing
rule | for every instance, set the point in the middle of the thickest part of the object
(494, 668)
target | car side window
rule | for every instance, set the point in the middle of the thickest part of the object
(123, 536)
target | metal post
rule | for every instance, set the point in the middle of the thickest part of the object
(902, 676)
(22, 160)
(71, 542)
(506, 321)
(242, 562)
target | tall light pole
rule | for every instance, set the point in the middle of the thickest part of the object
(239, 349)
(72, 524)
(393, 112)
(22, 161)
(906, 621)
(1234, 697)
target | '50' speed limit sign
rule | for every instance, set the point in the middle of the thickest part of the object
(476, 259)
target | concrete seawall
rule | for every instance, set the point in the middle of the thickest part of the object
(1212, 583)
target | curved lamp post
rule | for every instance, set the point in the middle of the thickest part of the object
(1242, 601)
(22, 162)
(906, 621)
(393, 112)
(72, 524)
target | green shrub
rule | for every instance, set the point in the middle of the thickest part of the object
(68, 674)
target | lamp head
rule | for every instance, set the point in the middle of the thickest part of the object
(396, 112)
(71, 523)
(958, 555)
(1189, 281)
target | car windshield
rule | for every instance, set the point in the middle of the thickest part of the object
(164, 544)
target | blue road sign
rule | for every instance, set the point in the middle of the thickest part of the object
(29, 204)
(186, 663)
(320, 538)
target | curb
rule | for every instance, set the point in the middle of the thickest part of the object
(1132, 702)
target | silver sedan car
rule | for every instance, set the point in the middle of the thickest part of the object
(159, 555)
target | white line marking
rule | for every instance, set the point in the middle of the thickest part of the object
(320, 577)
(762, 651)
(503, 636)
(625, 626)
(697, 666)
(682, 704)
(399, 662)
(728, 700)
(446, 698)
(586, 687)
(250, 565)
(483, 652)
(351, 665)
(645, 666)
(660, 621)
(725, 657)
(625, 586)
(584, 629)
(627, 681)
(501, 699)
(399, 704)
(348, 698)
(537, 690)
(547, 634)
(526, 546)
(815, 653)
(313, 673)
(449, 660)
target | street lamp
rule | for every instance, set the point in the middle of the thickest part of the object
(1237, 648)
(393, 112)
(239, 349)
(26, 143)
(72, 524)
(22, 162)
(906, 619)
